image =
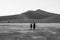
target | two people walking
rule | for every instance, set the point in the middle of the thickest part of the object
(32, 26)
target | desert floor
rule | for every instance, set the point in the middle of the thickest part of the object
(43, 31)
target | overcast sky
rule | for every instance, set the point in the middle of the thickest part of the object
(10, 7)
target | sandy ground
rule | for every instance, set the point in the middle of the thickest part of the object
(38, 34)
(23, 32)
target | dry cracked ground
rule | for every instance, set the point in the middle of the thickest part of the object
(44, 33)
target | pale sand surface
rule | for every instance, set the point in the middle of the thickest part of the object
(23, 32)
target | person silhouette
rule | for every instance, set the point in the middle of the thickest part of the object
(34, 26)
(31, 26)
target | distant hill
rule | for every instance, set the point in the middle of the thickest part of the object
(30, 16)
(38, 14)
(53, 19)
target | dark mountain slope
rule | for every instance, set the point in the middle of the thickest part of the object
(3, 18)
(38, 16)
(54, 19)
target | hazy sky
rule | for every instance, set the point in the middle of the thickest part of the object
(10, 7)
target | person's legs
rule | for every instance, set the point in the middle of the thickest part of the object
(34, 28)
